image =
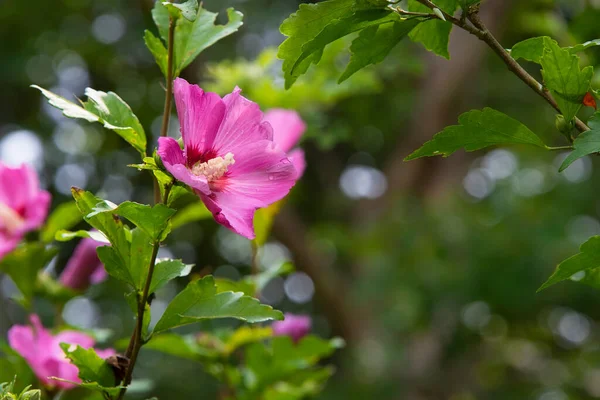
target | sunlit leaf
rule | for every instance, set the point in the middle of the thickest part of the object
(433, 34)
(107, 109)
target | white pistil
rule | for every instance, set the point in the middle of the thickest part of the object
(10, 220)
(215, 168)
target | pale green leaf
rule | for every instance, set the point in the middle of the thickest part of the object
(167, 270)
(107, 109)
(91, 367)
(186, 10)
(65, 216)
(588, 258)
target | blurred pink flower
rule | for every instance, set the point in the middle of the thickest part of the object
(23, 205)
(294, 326)
(84, 266)
(288, 127)
(229, 158)
(42, 351)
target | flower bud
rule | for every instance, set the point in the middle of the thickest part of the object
(84, 266)
(294, 326)
(562, 125)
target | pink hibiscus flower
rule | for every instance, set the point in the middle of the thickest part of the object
(229, 159)
(84, 266)
(23, 205)
(288, 127)
(42, 352)
(294, 326)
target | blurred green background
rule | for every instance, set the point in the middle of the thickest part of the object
(429, 269)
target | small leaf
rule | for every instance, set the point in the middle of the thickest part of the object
(200, 300)
(563, 77)
(65, 216)
(373, 44)
(433, 34)
(588, 258)
(158, 50)
(107, 109)
(166, 270)
(191, 38)
(92, 368)
(532, 49)
(477, 129)
(65, 236)
(586, 143)
(175, 345)
(186, 10)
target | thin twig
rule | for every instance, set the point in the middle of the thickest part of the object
(480, 30)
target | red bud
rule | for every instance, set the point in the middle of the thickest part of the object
(589, 101)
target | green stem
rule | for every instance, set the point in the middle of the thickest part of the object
(168, 96)
(557, 148)
(136, 342)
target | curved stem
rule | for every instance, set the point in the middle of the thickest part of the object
(480, 30)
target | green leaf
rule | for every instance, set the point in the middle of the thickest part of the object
(584, 46)
(128, 257)
(531, 49)
(588, 258)
(302, 27)
(94, 386)
(200, 300)
(563, 77)
(117, 116)
(186, 10)
(24, 263)
(65, 216)
(152, 220)
(107, 109)
(196, 211)
(158, 50)
(374, 43)
(586, 143)
(91, 367)
(166, 270)
(477, 129)
(433, 34)
(263, 220)
(313, 49)
(191, 38)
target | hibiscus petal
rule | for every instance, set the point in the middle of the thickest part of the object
(174, 161)
(241, 125)
(261, 177)
(8, 243)
(36, 211)
(287, 125)
(200, 115)
(297, 158)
